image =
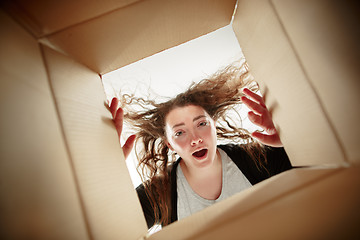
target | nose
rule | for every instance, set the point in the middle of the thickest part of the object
(196, 140)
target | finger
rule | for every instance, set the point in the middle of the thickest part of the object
(269, 140)
(254, 96)
(128, 145)
(118, 120)
(106, 104)
(253, 105)
(113, 106)
(262, 122)
(255, 119)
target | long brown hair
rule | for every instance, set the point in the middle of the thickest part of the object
(217, 95)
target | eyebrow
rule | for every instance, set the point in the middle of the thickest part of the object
(196, 118)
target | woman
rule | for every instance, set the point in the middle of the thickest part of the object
(189, 126)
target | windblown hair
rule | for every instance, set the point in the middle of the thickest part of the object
(216, 95)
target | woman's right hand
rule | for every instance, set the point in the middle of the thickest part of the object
(118, 117)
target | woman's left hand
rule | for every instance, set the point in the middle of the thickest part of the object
(261, 117)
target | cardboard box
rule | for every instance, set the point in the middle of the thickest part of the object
(62, 173)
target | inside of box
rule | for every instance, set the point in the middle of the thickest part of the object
(62, 170)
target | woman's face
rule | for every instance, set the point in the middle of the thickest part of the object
(191, 133)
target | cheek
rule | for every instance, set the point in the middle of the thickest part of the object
(214, 132)
(209, 132)
(212, 136)
(179, 143)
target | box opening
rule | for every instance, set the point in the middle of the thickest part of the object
(168, 73)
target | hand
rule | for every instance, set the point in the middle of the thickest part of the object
(261, 117)
(118, 117)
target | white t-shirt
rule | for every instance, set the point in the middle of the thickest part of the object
(189, 202)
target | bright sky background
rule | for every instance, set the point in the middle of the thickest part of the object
(170, 72)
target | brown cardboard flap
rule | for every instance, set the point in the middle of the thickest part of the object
(43, 17)
(111, 204)
(38, 195)
(325, 35)
(140, 30)
(297, 204)
(304, 126)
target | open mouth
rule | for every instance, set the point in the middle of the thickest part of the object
(200, 154)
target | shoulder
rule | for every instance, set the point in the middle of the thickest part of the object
(276, 161)
(274, 156)
(240, 156)
(159, 180)
(150, 190)
(236, 152)
(146, 205)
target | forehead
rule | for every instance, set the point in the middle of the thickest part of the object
(182, 114)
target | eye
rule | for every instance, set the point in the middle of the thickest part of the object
(178, 133)
(203, 123)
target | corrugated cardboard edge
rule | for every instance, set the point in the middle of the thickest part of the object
(103, 180)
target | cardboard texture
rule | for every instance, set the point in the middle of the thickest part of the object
(140, 30)
(62, 171)
(332, 70)
(295, 105)
(38, 197)
(44, 17)
(324, 209)
(292, 205)
(104, 181)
